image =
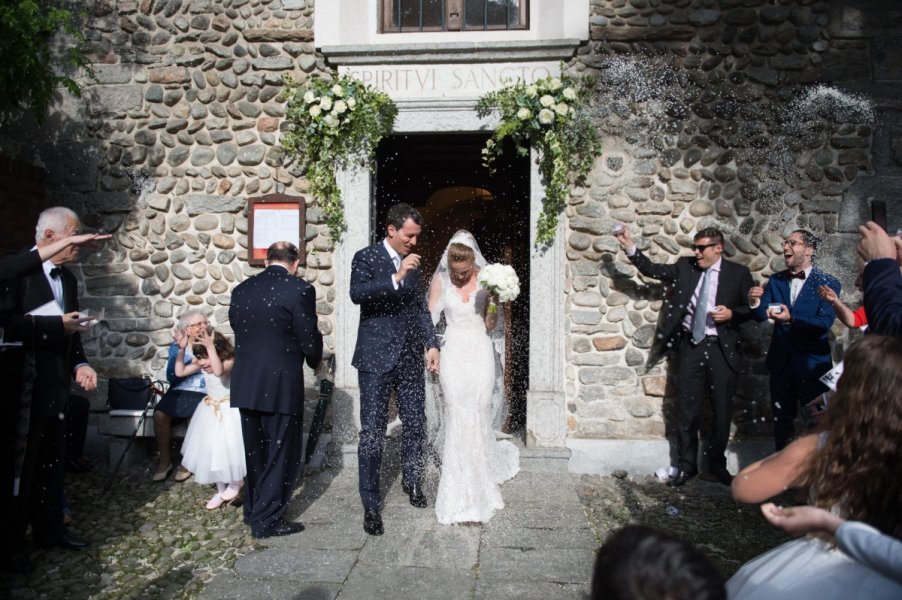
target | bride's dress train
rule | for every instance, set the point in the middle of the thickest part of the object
(473, 461)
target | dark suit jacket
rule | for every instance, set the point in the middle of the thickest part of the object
(732, 291)
(273, 315)
(387, 316)
(17, 265)
(882, 285)
(56, 354)
(804, 343)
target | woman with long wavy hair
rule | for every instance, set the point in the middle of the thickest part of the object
(851, 467)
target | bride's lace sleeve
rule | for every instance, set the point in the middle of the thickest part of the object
(435, 298)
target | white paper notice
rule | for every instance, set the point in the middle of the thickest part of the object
(277, 225)
(51, 309)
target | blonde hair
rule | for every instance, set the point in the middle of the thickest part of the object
(460, 253)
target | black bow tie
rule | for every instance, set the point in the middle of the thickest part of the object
(55, 272)
(799, 275)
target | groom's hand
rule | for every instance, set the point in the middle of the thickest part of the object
(408, 264)
(432, 360)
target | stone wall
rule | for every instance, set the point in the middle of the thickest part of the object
(712, 115)
(179, 129)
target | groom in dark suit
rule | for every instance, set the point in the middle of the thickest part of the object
(701, 319)
(53, 352)
(273, 315)
(799, 350)
(395, 331)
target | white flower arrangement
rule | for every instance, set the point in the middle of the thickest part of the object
(334, 121)
(501, 281)
(552, 116)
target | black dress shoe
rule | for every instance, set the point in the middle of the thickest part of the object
(77, 465)
(680, 478)
(722, 475)
(415, 492)
(372, 522)
(16, 563)
(279, 528)
(66, 540)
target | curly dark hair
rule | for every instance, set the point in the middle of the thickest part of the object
(859, 465)
(224, 348)
(808, 238)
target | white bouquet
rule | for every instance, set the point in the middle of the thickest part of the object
(500, 280)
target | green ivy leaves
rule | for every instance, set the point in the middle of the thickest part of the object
(550, 115)
(333, 122)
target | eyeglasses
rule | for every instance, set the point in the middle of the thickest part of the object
(702, 247)
(792, 243)
(201, 324)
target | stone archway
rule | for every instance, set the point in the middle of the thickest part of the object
(442, 175)
(546, 424)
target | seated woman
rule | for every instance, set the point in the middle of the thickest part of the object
(852, 468)
(183, 396)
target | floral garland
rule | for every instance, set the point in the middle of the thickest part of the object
(552, 116)
(332, 122)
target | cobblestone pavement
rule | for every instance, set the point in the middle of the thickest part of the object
(701, 512)
(149, 540)
(154, 540)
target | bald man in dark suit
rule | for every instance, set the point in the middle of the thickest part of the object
(273, 315)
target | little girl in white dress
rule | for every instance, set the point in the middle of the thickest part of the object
(214, 448)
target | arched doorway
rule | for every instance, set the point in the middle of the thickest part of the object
(443, 177)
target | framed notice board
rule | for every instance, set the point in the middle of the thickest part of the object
(275, 218)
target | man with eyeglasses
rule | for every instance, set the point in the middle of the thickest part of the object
(706, 304)
(799, 352)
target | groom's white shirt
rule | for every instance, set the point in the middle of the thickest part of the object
(395, 258)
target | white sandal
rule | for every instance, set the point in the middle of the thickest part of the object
(215, 502)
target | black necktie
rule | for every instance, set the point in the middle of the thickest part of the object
(799, 275)
(55, 272)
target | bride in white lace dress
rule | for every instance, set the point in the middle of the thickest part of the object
(474, 462)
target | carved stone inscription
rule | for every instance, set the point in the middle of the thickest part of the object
(406, 82)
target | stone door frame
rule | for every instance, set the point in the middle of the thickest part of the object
(546, 415)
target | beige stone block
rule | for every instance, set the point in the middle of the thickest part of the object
(606, 343)
(169, 75)
(655, 386)
(268, 124)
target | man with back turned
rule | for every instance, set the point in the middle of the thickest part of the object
(273, 315)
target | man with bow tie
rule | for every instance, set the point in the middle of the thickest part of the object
(50, 356)
(799, 352)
